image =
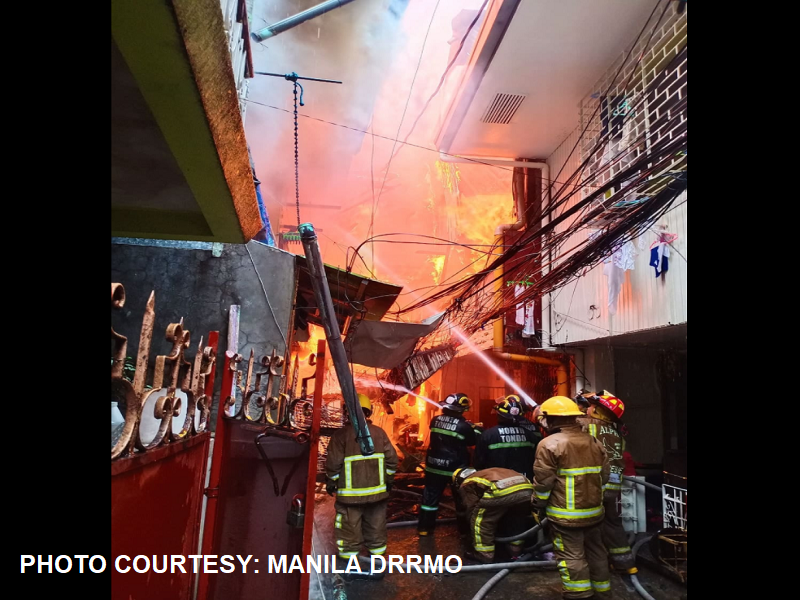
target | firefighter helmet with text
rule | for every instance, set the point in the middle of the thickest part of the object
(457, 402)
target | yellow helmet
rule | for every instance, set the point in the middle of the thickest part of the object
(365, 402)
(560, 406)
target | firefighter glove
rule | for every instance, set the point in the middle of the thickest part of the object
(330, 487)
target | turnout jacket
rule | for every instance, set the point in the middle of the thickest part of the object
(570, 472)
(450, 436)
(495, 487)
(613, 442)
(511, 446)
(360, 479)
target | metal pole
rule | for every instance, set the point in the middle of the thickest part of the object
(292, 77)
(295, 20)
(322, 292)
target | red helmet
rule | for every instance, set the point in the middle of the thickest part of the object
(610, 402)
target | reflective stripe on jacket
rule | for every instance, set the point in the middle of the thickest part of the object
(450, 436)
(360, 479)
(508, 445)
(607, 434)
(495, 486)
(570, 472)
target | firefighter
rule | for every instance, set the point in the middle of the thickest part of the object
(451, 435)
(362, 485)
(570, 472)
(493, 499)
(582, 400)
(512, 443)
(604, 422)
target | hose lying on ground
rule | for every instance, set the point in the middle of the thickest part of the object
(410, 523)
(493, 581)
(524, 534)
(546, 564)
(634, 579)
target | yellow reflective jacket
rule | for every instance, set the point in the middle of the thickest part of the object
(570, 472)
(360, 479)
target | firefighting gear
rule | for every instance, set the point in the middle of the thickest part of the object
(487, 496)
(330, 487)
(357, 523)
(582, 400)
(457, 402)
(434, 489)
(614, 535)
(615, 539)
(450, 436)
(570, 473)
(559, 406)
(613, 443)
(582, 561)
(360, 479)
(460, 475)
(609, 404)
(511, 446)
(510, 407)
(365, 403)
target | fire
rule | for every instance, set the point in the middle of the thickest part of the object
(421, 402)
(449, 175)
(306, 349)
(438, 265)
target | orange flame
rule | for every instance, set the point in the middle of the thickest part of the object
(306, 349)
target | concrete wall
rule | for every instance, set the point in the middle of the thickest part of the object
(200, 287)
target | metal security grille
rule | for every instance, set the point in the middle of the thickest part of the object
(675, 502)
(502, 109)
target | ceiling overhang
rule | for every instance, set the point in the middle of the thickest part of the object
(533, 63)
(180, 165)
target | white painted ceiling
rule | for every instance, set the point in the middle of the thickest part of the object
(553, 52)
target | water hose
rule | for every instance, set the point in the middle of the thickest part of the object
(646, 484)
(508, 565)
(410, 523)
(495, 579)
(634, 579)
(524, 534)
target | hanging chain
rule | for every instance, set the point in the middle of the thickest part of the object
(296, 156)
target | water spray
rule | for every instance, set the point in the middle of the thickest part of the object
(480, 354)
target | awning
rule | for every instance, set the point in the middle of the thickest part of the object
(386, 344)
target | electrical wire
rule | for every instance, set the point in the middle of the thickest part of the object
(402, 118)
(446, 71)
(266, 297)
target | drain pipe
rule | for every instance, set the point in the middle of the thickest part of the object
(299, 18)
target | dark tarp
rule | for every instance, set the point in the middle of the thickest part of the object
(386, 344)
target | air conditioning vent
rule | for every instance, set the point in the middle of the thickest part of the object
(502, 109)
